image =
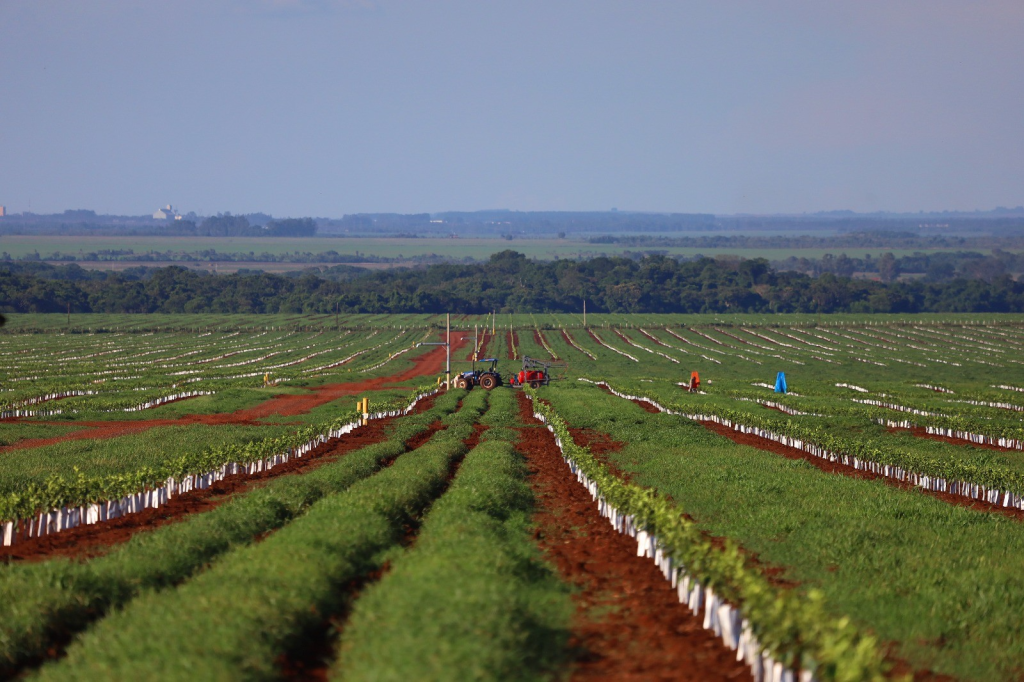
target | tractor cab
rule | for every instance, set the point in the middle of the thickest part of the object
(487, 378)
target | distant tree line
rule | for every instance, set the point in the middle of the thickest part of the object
(508, 282)
(848, 240)
(937, 266)
(227, 225)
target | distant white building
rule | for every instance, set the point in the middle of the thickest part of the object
(3, 211)
(168, 212)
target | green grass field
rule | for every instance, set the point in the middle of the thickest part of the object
(833, 572)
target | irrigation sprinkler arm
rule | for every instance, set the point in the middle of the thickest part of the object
(448, 356)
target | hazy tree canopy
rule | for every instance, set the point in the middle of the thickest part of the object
(291, 227)
(224, 225)
(508, 282)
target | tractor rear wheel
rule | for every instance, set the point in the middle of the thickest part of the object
(488, 381)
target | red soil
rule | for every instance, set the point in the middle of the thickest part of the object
(654, 339)
(569, 341)
(599, 443)
(88, 541)
(920, 432)
(900, 667)
(539, 340)
(429, 363)
(629, 624)
(844, 470)
(311, 659)
(485, 345)
(646, 406)
(624, 338)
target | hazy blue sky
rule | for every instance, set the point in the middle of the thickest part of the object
(325, 107)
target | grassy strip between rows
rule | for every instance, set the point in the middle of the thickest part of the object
(234, 620)
(40, 600)
(79, 489)
(939, 584)
(963, 467)
(793, 626)
(473, 599)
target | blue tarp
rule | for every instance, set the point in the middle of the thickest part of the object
(780, 383)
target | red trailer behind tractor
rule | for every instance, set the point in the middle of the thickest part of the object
(534, 373)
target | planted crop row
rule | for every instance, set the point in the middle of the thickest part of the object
(960, 476)
(236, 619)
(40, 600)
(472, 599)
(978, 438)
(777, 632)
(63, 502)
(572, 342)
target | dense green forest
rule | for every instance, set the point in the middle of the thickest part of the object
(508, 282)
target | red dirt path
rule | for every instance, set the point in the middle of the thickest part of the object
(629, 624)
(94, 540)
(285, 405)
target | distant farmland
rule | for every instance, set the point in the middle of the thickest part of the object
(246, 251)
(208, 497)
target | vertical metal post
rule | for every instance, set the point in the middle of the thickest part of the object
(476, 343)
(584, 313)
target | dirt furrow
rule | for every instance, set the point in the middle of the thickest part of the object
(839, 468)
(920, 432)
(286, 405)
(87, 541)
(311, 659)
(629, 624)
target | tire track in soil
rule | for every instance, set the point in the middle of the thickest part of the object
(286, 405)
(839, 468)
(629, 624)
(85, 542)
(311, 658)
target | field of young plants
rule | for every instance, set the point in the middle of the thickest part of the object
(296, 497)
